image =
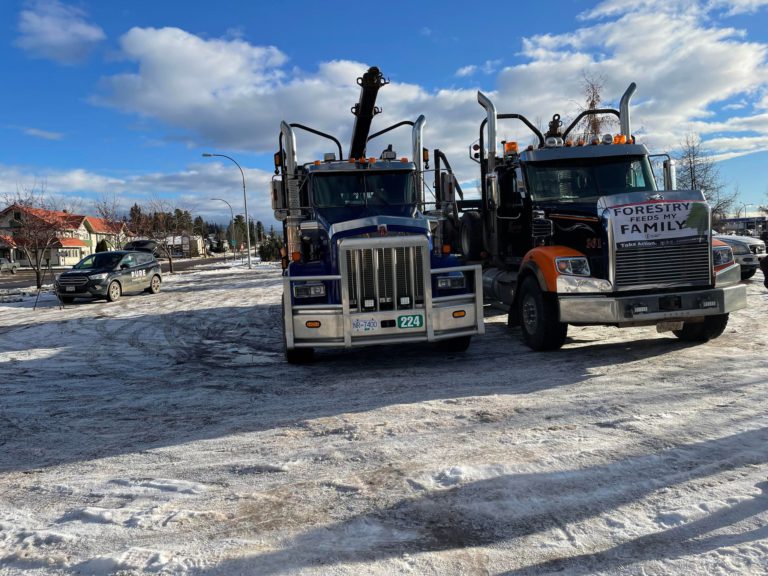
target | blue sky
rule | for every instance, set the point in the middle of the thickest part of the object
(119, 99)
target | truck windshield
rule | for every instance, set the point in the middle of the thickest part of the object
(586, 180)
(363, 189)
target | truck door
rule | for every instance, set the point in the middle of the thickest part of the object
(513, 228)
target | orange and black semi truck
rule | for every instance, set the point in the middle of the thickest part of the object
(575, 232)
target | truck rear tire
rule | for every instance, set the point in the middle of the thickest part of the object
(711, 328)
(471, 231)
(539, 323)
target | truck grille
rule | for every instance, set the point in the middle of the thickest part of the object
(682, 264)
(386, 278)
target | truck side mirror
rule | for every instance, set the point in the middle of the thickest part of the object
(447, 187)
(278, 195)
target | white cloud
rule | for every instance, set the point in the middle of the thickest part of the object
(44, 134)
(733, 7)
(466, 71)
(190, 189)
(53, 30)
(229, 94)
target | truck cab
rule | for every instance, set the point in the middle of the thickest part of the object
(362, 265)
(576, 232)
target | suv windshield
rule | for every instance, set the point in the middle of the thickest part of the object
(100, 260)
(363, 188)
(585, 180)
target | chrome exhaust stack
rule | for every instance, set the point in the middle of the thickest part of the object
(490, 110)
(624, 110)
(294, 198)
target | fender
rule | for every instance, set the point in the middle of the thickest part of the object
(540, 262)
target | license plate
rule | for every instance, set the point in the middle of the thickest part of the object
(365, 325)
(668, 326)
(69, 288)
(410, 321)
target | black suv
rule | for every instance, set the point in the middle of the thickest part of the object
(109, 275)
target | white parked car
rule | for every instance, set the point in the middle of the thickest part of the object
(8, 266)
(747, 251)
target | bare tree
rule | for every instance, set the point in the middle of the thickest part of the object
(108, 209)
(593, 124)
(697, 170)
(163, 224)
(36, 225)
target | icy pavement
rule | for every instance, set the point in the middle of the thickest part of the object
(165, 435)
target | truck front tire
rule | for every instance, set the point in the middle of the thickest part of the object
(458, 344)
(710, 328)
(299, 355)
(539, 323)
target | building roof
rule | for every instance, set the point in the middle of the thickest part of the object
(102, 226)
(60, 218)
(70, 243)
(7, 240)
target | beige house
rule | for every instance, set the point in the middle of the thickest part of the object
(100, 229)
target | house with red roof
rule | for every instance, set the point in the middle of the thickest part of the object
(59, 237)
(114, 233)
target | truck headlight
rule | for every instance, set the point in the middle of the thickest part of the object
(451, 282)
(573, 265)
(309, 290)
(102, 276)
(722, 255)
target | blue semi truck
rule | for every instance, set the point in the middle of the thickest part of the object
(364, 260)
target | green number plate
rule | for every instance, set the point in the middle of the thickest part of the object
(410, 321)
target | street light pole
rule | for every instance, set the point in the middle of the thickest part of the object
(245, 201)
(232, 214)
(746, 216)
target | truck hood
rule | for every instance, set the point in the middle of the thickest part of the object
(379, 225)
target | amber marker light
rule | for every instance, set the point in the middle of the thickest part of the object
(510, 148)
(313, 324)
(459, 314)
(295, 256)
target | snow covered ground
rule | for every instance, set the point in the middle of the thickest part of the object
(165, 435)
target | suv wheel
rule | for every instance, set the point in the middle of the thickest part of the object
(154, 285)
(114, 291)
